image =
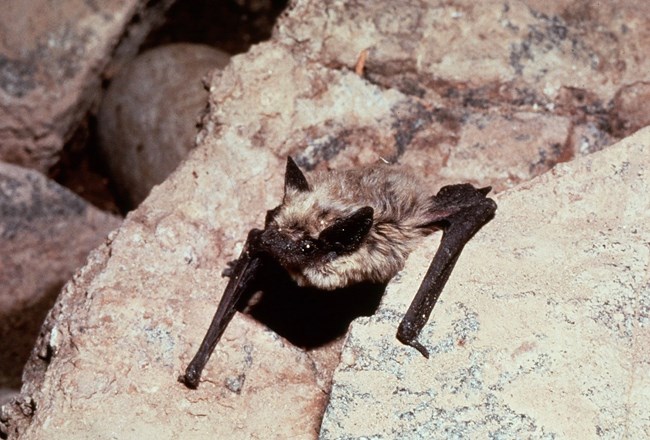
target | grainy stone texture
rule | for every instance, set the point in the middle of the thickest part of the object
(543, 46)
(460, 58)
(631, 108)
(334, 118)
(541, 332)
(147, 120)
(128, 323)
(51, 64)
(45, 234)
(480, 91)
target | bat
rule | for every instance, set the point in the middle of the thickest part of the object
(349, 226)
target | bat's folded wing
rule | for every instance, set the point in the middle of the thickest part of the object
(242, 278)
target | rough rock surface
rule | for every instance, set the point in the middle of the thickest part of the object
(334, 118)
(541, 332)
(45, 234)
(126, 325)
(147, 120)
(531, 50)
(51, 64)
(441, 83)
(631, 108)
(563, 57)
(559, 64)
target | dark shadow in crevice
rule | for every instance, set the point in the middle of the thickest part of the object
(82, 169)
(19, 330)
(230, 25)
(308, 317)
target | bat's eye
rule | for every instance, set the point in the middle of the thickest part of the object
(307, 247)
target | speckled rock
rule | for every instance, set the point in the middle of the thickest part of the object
(531, 50)
(334, 118)
(148, 118)
(51, 64)
(541, 330)
(45, 234)
(631, 108)
(563, 57)
(128, 323)
(437, 90)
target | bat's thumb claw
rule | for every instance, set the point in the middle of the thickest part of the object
(485, 190)
(419, 347)
(411, 341)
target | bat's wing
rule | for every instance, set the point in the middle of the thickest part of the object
(460, 211)
(242, 277)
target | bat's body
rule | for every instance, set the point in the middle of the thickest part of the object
(401, 215)
(351, 226)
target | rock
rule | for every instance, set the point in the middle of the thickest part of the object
(631, 108)
(128, 323)
(51, 66)
(482, 51)
(506, 150)
(336, 119)
(147, 120)
(45, 234)
(437, 90)
(430, 102)
(489, 57)
(539, 332)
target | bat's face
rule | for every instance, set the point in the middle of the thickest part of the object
(307, 239)
(296, 247)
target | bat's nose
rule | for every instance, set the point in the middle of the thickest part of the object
(281, 247)
(273, 242)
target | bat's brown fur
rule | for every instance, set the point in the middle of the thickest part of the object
(402, 215)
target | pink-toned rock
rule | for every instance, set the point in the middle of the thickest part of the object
(336, 119)
(530, 50)
(487, 56)
(51, 65)
(631, 108)
(45, 234)
(440, 86)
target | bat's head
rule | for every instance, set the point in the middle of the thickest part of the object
(307, 231)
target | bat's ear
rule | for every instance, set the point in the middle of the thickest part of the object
(347, 234)
(294, 179)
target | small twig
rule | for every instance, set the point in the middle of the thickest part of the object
(361, 62)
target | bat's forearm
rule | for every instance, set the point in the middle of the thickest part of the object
(425, 299)
(471, 210)
(243, 275)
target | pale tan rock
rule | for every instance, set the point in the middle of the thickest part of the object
(148, 117)
(504, 150)
(45, 234)
(487, 57)
(327, 118)
(51, 64)
(541, 331)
